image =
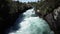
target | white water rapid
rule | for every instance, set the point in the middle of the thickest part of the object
(32, 24)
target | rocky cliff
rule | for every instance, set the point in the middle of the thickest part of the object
(9, 13)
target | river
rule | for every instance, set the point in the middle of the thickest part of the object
(30, 23)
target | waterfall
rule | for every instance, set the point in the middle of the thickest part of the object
(32, 24)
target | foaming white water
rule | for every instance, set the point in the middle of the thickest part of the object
(32, 24)
(29, 13)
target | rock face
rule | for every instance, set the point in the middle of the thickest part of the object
(56, 14)
(7, 20)
(53, 20)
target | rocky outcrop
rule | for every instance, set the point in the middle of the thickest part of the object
(56, 15)
(7, 17)
(53, 20)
